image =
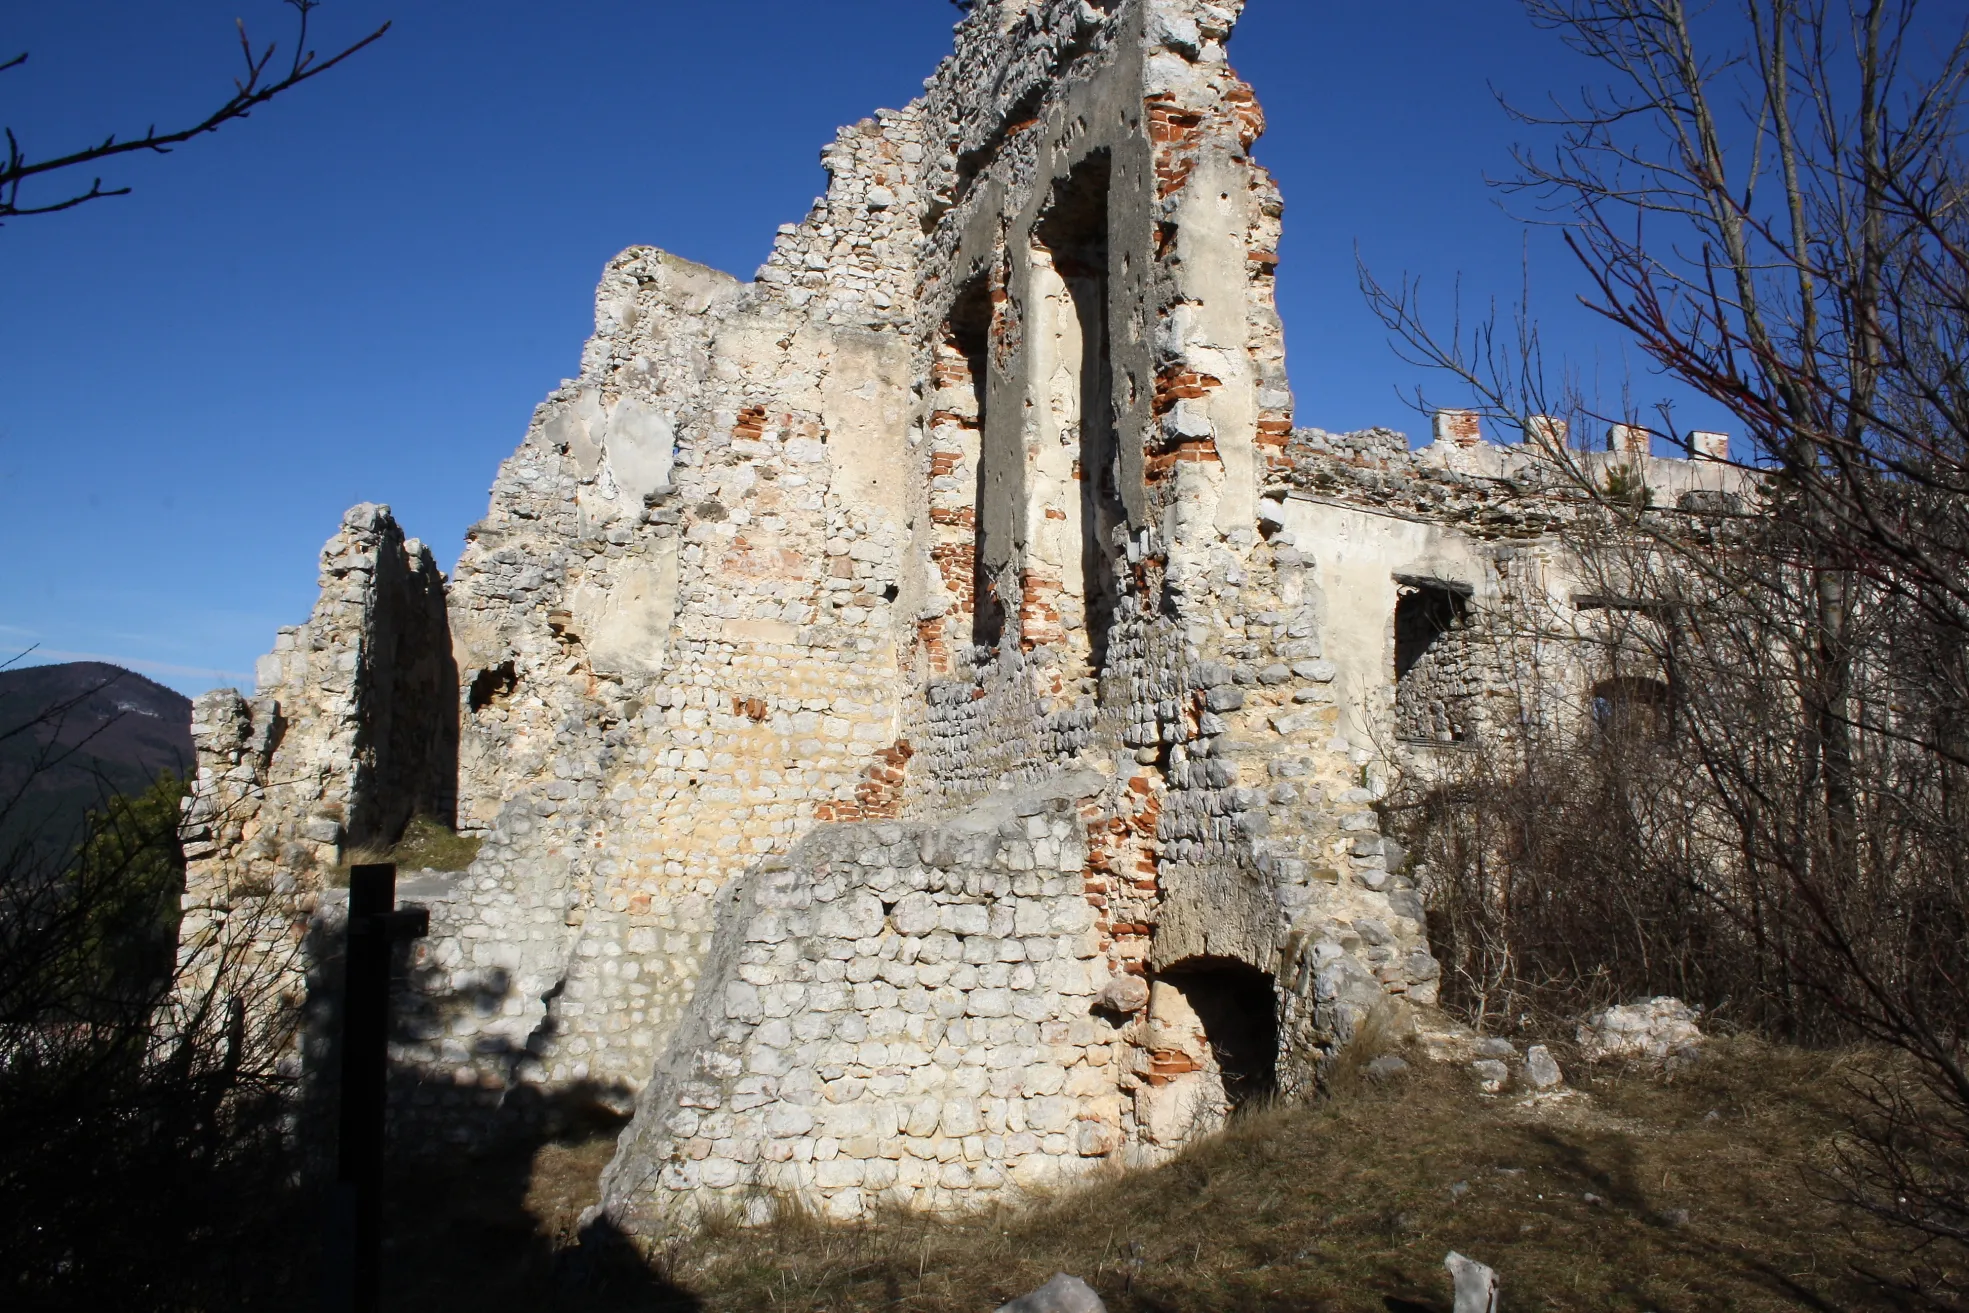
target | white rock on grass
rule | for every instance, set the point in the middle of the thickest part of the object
(1475, 1284)
(1541, 1070)
(1063, 1294)
(1659, 1031)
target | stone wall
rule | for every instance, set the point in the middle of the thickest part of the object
(924, 1014)
(353, 730)
(891, 1011)
(924, 708)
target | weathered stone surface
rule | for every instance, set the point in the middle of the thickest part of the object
(1386, 1067)
(1659, 1030)
(1541, 1070)
(917, 703)
(1475, 1286)
(1124, 993)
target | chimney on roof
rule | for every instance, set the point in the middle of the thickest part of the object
(1629, 441)
(1704, 445)
(1462, 427)
(1547, 431)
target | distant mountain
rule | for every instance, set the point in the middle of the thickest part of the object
(74, 734)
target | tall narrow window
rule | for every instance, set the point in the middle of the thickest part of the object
(956, 492)
(1076, 486)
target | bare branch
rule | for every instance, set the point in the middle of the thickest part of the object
(255, 86)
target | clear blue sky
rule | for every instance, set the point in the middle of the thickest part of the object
(361, 293)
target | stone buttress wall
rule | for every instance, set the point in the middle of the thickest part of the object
(893, 1012)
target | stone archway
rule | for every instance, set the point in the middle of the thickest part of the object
(1211, 1034)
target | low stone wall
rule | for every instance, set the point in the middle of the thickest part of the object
(890, 1012)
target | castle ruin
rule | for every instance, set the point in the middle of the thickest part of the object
(924, 708)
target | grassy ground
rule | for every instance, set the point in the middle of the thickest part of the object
(427, 845)
(1631, 1193)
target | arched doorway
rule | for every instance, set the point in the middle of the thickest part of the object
(1212, 1040)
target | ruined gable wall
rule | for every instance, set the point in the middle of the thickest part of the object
(353, 729)
(1218, 822)
(677, 614)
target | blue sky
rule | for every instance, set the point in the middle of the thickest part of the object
(360, 293)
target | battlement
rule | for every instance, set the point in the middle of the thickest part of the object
(1550, 454)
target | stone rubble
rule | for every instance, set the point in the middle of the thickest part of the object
(1491, 1073)
(1475, 1286)
(1541, 1069)
(1062, 1294)
(1658, 1031)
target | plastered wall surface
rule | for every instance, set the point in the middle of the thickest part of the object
(923, 709)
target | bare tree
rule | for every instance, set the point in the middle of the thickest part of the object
(259, 81)
(1769, 199)
(150, 1156)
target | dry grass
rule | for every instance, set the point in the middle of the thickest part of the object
(431, 845)
(427, 844)
(1693, 1194)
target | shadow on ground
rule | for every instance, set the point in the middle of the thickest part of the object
(497, 1230)
(1633, 1193)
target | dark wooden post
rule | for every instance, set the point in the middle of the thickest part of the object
(354, 1249)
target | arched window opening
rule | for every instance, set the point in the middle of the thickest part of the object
(1082, 494)
(1631, 709)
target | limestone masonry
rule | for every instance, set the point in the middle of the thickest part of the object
(924, 709)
